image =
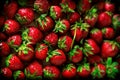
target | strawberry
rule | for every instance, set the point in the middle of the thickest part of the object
(51, 72)
(109, 6)
(32, 35)
(91, 17)
(11, 26)
(69, 71)
(3, 36)
(13, 62)
(51, 39)
(41, 6)
(14, 41)
(45, 23)
(75, 55)
(84, 70)
(104, 19)
(33, 71)
(4, 49)
(108, 33)
(68, 6)
(83, 5)
(6, 72)
(95, 59)
(94, 33)
(41, 51)
(100, 5)
(25, 15)
(65, 43)
(2, 20)
(25, 52)
(73, 17)
(109, 49)
(11, 9)
(18, 75)
(57, 57)
(62, 26)
(118, 39)
(98, 71)
(55, 12)
(90, 47)
(111, 68)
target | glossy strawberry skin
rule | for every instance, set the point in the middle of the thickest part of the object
(6, 72)
(47, 25)
(58, 59)
(41, 51)
(52, 39)
(11, 9)
(25, 15)
(4, 49)
(51, 70)
(41, 6)
(91, 21)
(104, 19)
(109, 7)
(14, 40)
(107, 50)
(13, 62)
(11, 26)
(34, 70)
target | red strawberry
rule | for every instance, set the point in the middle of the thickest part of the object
(45, 23)
(111, 68)
(18, 75)
(4, 49)
(25, 15)
(32, 35)
(13, 62)
(11, 26)
(108, 33)
(91, 17)
(75, 55)
(3, 36)
(94, 59)
(104, 19)
(65, 43)
(15, 41)
(2, 20)
(73, 17)
(68, 5)
(56, 57)
(51, 72)
(98, 71)
(25, 52)
(41, 6)
(51, 39)
(100, 5)
(94, 33)
(90, 47)
(84, 5)
(33, 71)
(109, 6)
(6, 72)
(11, 9)
(55, 12)
(69, 71)
(109, 49)
(41, 51)
(84, 70)
(62, 26)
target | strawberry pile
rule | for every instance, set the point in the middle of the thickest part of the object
(59, 39)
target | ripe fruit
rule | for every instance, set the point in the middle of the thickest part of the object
(6, 72)
(109, 6)
(18, 75)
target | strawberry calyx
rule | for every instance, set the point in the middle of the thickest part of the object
(116, 22)
(37, 8)
(21, 19)
(7, 61)
(109, 13)
(52, 12)
(16, 74)
(61, 43)
(69, 67)
(22, 2)
(104, 30)
(66, 8)
(83, 66)
(94, 30)
(85, 26)
(59, 27)
(6, 27)
(32, 76)
(40, 47)
(48, 74)
(111, 68)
